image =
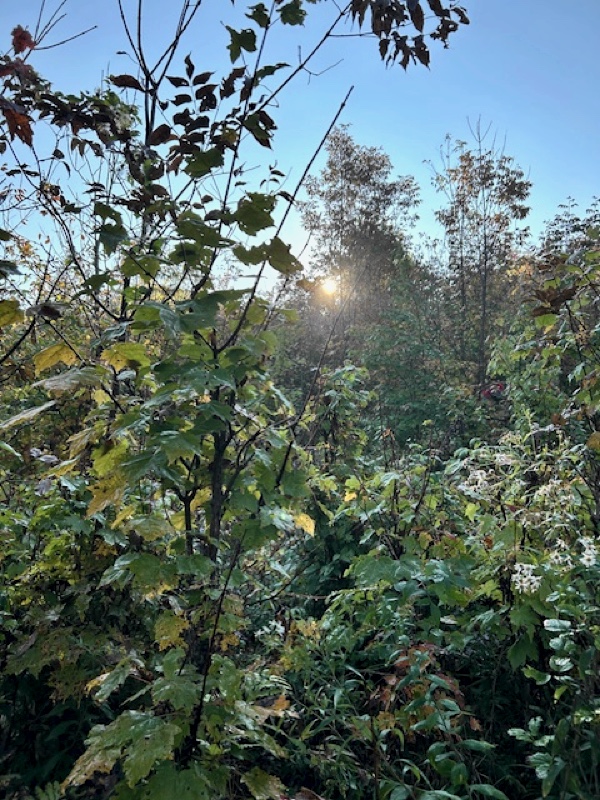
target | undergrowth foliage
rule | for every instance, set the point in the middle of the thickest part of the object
(208, 593)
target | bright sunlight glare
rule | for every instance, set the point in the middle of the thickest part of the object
(329, 286)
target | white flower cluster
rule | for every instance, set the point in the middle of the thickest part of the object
(503, 460)
(589, 555)
(561, 557)
(477, 482)
(523, 579)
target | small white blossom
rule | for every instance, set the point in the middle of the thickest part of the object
(523, 579)
(589, 555)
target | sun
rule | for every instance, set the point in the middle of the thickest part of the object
(329, 286)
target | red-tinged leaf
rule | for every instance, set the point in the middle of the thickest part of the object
(19, 125)
(160, 135)
(126, 82)
(21, 39)
(417, 17)
(178, 82)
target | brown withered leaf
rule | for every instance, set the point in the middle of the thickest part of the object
(418, 17)
(436, 7)
(160, 135)
(126, 82)
(462, 15)
(19, 125)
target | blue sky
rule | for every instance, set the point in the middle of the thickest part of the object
(530, 68)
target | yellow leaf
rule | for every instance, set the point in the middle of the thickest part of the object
(281, 704)
(53, 355)
(126, 513)
(306, 523)
(168, 629)
(107, 459)
(80, 440)
(126, 354)
(106, 492)
(594, 441)
(202, 497)
(350, 496)
(10, 312)
(229, 640)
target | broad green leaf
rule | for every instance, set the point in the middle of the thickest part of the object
(253, 213)
(203, 162)
(292, 13)
(111, 236)
(10, 312)
(488, 791)
(478, 745)
(281, 259)
(180, 691)
(557, 625)
(521, 650)
(240, 40)
(263, 786)
(144, 266)
(259, 15)
(539, 677)
(192, 227)
(53, 355)
(104, 685)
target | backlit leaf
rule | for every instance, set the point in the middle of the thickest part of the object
(10, 312)
(53, 355)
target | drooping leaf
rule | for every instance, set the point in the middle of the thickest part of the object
(26, 416)
(126, 82)
(281, 258)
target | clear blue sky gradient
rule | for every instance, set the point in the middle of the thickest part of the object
(531, 68)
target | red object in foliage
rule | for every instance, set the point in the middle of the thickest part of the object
(22, 40)
(495, 391)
